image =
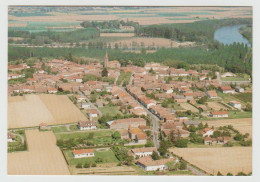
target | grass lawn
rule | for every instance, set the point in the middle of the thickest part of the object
(97, 134)
(110, 110)
(237, 114)
(245, 97)
(106, 156)
(74, 128)
(58, 129)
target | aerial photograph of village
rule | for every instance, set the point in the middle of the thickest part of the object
(124, 90)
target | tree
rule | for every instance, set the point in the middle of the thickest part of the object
(182, 143)
(155, 155)
(229, 174)
(79, 165)
(104, 72)
(149, 143)
(203, 100)
(87, 165)
(116, 135)
(219, 174)
(183, 165)
(172, 166)
(238, 137)
(94, 164)
(241, 174)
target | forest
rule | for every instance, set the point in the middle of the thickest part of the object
(49, 37)
(200, 31)
(112, 24)
(230, 57)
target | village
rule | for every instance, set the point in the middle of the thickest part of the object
(132, 114)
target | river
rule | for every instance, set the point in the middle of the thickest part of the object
(230, 34)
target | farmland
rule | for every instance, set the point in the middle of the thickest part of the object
(107, 156)
(216, 106)
(40, 157)
(242, 125)
(117, 34)
(51, 109)
(188, 106)
(224, 160)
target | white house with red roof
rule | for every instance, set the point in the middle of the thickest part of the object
(83, 153)
(235, 104)
(206, 132)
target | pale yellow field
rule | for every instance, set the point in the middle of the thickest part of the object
(243, 125)
(216, 106)
(42, 158)
(31, 110)
(155, 42)
(223, 159)
(117, 34)
(187, 106)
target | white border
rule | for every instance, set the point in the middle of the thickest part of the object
(3, 91)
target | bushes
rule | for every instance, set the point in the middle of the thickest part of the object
(182, 143)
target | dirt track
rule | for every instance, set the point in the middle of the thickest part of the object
(43, 157)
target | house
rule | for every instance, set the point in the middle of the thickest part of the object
(218, 140)
(86, 125)
(235, 104)
(141, 138)
(92, 114)
(41, 71)
(227, 90)
(228, 74)
(125, 123)
(206, 132)
(219, 114)
(212, 94)
(52, 90)
(143, 152)
(113, 64)
(148, 164)
(10, 137)
(44, 126)
(124, 133)
(191, 122)
(85, 105)
(203, 77)
(239, 89)
(80, 98)
(83, 153)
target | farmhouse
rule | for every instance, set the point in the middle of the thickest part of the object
(44, 126)
(239, 89)
(235, 104)
(125, 123)
(212, 94)
(10, 137)
(148, 164)
(141, 138)
(52, 90)
(228, 74)
(219, 114)
(227, 90)
(80, 98)
(83, 153)
(218, 140)
(143, 152)
(86, 125)
(85, 105)
(206, 132)
(92, 113)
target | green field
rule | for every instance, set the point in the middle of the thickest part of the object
(97, 134)
(236, 114)
(110, 110)
(245, 97)
(58, 129)
(106, 156)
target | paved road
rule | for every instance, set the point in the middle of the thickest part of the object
(155, 120)
(92, 105)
